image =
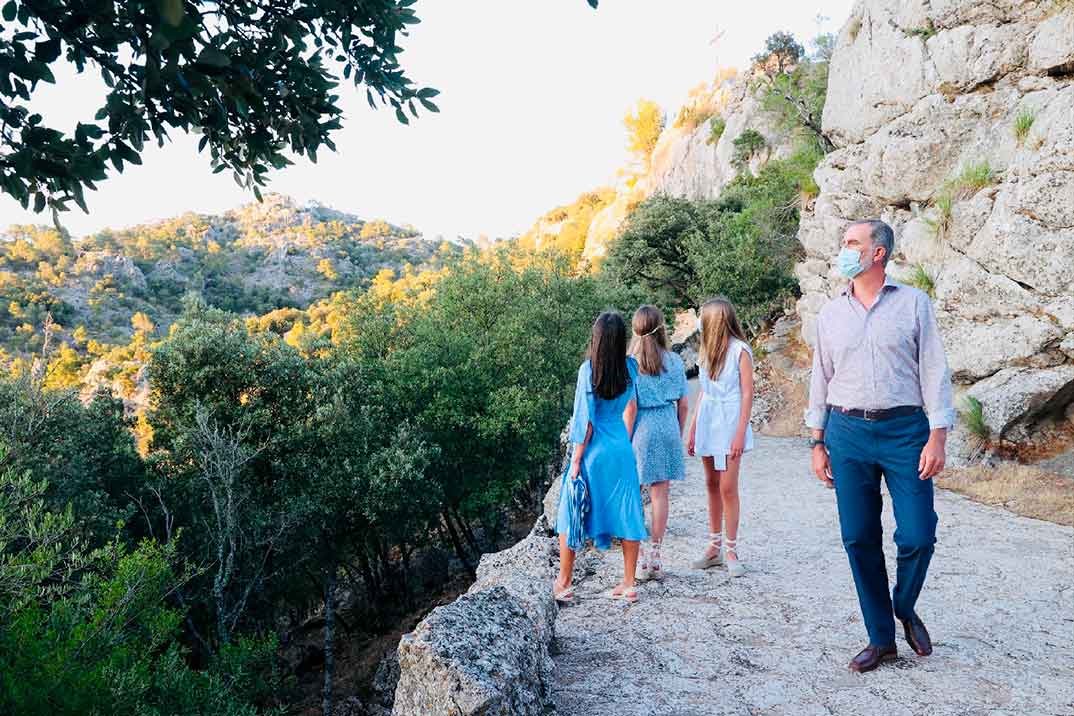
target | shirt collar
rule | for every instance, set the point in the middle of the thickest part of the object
(848, 290)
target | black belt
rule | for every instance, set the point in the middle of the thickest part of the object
(879, 414)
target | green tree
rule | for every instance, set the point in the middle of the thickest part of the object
(794, 87)
(91, 631)
(254, 78)
(742, 245)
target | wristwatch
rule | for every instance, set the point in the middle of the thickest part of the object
(813, 442)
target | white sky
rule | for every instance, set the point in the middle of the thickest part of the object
(532, 98)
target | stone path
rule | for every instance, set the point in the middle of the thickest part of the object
(999, 602)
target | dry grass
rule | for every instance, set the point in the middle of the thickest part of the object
(1022, 489)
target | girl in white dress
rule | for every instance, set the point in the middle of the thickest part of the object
(720, 431)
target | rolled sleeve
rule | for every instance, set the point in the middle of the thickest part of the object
(816, 416)
(935, 375)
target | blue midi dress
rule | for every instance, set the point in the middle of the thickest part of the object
(657, 438)
(608, 464)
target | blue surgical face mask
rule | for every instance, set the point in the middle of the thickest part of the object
(850, 262)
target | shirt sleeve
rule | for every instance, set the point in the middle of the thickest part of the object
(933, 372)
(584, 405)
(817, 414)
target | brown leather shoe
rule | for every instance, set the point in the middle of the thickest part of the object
(871, 657)
(917, 636)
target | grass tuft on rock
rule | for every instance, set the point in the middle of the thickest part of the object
(1022, 124)
(973, 417)
(920, 278)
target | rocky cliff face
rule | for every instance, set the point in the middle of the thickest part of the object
(687, 163)
(954, 122)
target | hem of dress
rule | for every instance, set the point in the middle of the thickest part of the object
(666, 479)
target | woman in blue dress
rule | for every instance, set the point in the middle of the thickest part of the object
(603, 457)
(662, 409)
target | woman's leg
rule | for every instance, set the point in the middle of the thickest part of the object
(566, 565)
(630, 565)
(658, 493)
(729, 496)
(712, 487)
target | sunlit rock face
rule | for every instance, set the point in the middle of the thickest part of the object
(954, 122)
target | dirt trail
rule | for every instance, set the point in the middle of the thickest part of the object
(999, 603)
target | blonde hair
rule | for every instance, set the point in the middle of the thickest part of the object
(718, 325)
(650, 340)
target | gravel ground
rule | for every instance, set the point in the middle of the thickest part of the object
(999, 603)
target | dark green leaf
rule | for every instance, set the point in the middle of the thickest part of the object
(214, 58)
(9, 11)
(400, 116)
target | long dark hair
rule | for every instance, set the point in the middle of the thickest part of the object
(607, 354)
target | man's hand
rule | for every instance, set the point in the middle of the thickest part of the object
(932, 455)
(822, 466)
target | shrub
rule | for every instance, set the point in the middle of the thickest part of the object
(746, 145)
(973, 416)
(1022, 124)
(716, 126)
(743, 245)
(924, 32)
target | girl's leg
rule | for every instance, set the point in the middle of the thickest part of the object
(566, 565)
(630, 565)
(712, 487)
(731, 505)
(658, 492)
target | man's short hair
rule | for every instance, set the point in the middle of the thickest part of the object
(880, 234)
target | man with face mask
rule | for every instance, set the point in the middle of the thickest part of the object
(880, 404)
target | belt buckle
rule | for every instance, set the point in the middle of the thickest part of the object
(865, 414)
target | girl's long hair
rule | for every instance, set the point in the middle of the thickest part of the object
(650, 340)
(607, 354)
(718, 325)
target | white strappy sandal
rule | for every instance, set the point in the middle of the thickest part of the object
(715, 540)
(735, 568)
(656, 567)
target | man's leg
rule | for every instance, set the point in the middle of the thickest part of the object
(912, 501)
(851, 447)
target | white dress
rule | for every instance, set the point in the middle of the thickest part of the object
(718, 412)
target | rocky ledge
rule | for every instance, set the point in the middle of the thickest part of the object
(488, 651)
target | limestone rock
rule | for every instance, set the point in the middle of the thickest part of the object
(685, 164)
(1002, 258)
(1016, 395)
(100, 264)
(481, 654)
(487, 652)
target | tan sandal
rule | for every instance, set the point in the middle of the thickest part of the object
(628, 595)
(735, 568)
(715, 540)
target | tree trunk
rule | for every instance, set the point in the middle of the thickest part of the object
(329, 636)
(456, 543)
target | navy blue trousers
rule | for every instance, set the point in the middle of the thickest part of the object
(862, 451)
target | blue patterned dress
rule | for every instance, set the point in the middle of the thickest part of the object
(608, 464)
(657, 438)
